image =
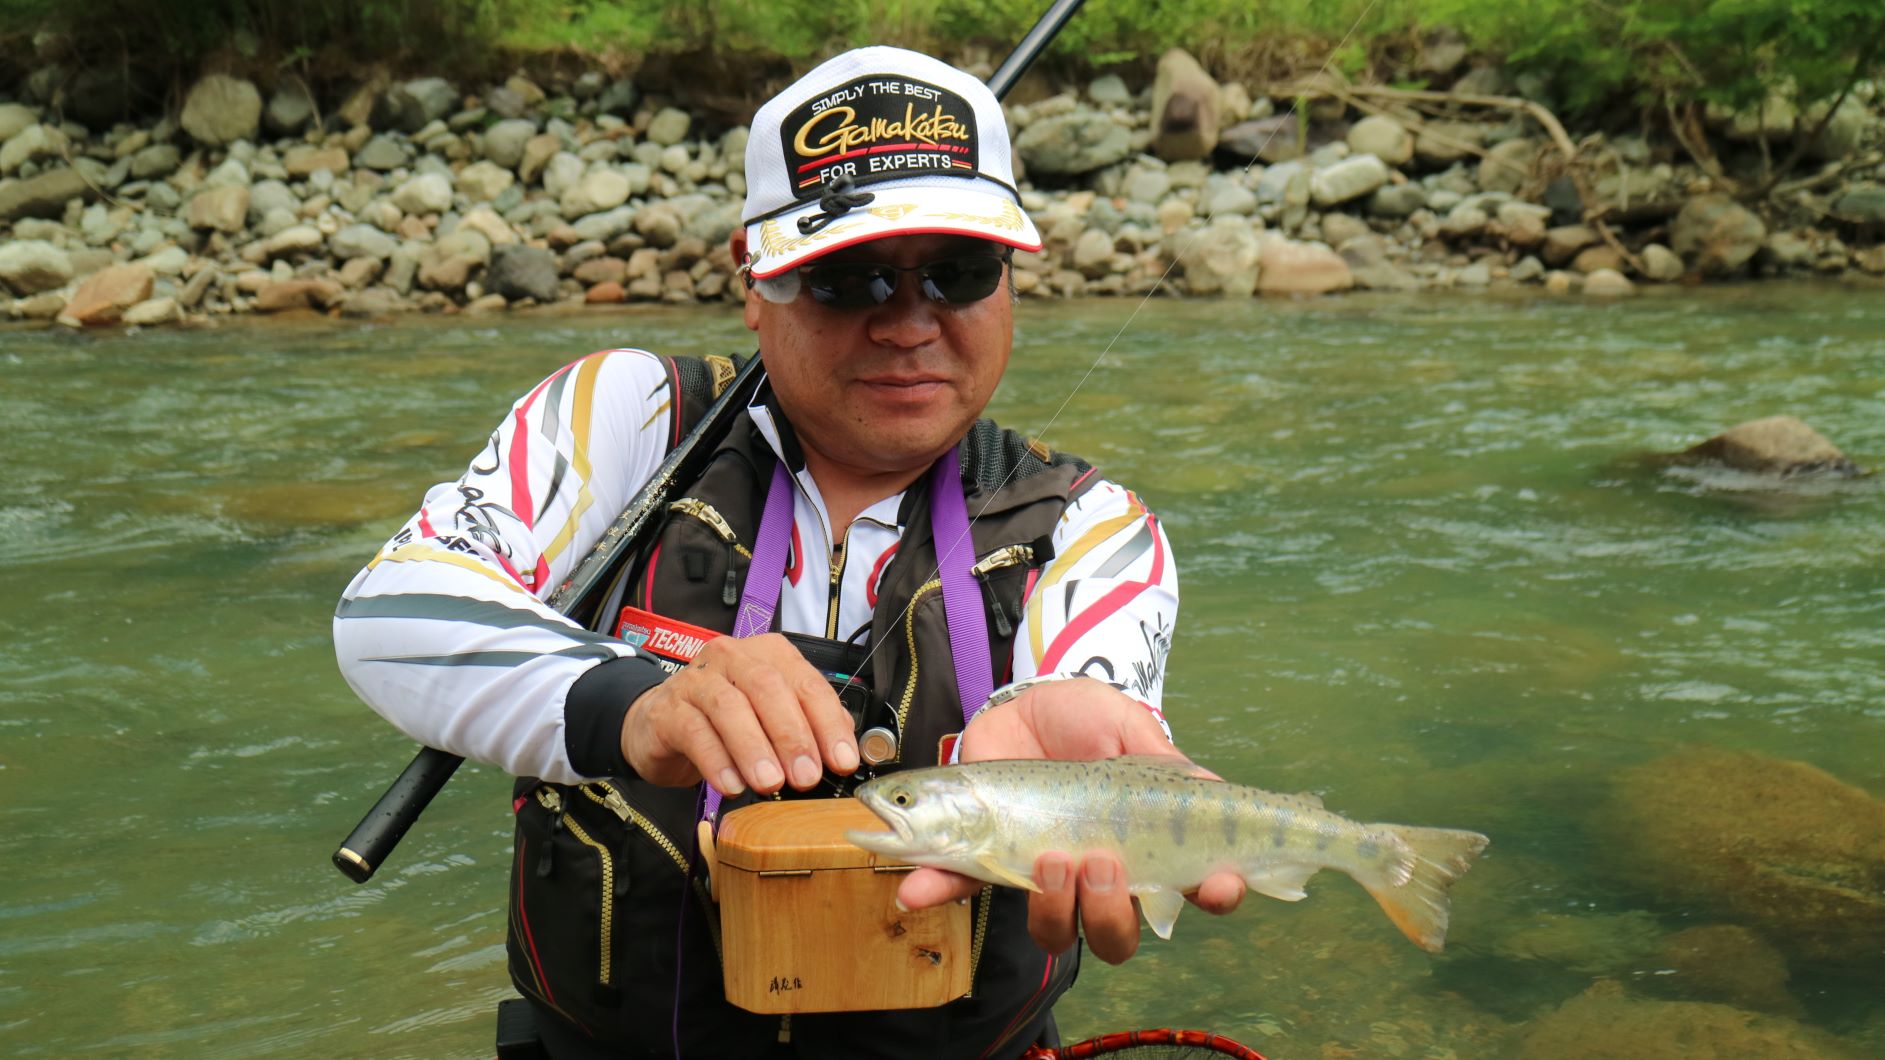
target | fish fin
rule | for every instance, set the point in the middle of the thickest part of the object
(1282, 882)
(999, 873)
(1161, 908)
(1411, 883)
(1311, 798)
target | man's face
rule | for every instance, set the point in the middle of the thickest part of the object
(888, 388)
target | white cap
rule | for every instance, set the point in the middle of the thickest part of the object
(923, 145)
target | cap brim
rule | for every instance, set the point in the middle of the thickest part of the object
(899, 208)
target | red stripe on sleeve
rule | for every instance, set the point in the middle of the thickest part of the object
(1106, 606)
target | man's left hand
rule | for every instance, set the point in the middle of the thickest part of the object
(1082, 720)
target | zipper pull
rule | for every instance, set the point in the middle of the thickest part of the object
(730, 592)
(1003, 627)
(546, 858)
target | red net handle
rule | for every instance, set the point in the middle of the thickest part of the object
(1203, 1042)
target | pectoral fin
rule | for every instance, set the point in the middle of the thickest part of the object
(1161, 908)
(1282, 882)
(995, 872)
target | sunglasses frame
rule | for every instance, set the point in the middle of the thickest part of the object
(926, 283)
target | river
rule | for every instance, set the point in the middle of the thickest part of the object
(1423, 576)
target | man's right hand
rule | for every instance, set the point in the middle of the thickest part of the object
(747, 712)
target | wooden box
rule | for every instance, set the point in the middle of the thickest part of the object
(809, 922)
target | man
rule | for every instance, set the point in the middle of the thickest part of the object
(880, 218)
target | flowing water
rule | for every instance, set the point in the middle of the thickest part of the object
(1424, 576)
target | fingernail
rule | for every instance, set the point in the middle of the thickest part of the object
(901, 908)
(766, 774)
(730, 782)
(1054, 874)
(804, 771)
(844, 756)
(1100, 876)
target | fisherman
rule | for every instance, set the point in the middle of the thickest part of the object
(880, 219)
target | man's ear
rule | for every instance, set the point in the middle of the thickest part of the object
(736, 243)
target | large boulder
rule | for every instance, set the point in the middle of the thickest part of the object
(1070, 144)
(221, 109)
(1222, 259)
(1777, 846)
(1605, 1022)
(519, 271)
(1185, 104)
(44, 195)
(1717, 235)
(1291, 268)
(29, 266)
(1775, 445)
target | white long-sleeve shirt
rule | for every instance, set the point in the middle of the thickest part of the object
(446, 634)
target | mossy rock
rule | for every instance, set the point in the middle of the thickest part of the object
(1774, 845)
(1604, 1023)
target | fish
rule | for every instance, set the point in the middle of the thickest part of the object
(1171, 826)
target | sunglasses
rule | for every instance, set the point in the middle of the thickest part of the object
(863, 284)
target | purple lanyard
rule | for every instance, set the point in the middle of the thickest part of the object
(955, 559)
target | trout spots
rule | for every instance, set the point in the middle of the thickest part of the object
(1284, 818)
(1120, 814)
(1325, 834)
(1367, 849)
(1227, 806)
(1181, 815)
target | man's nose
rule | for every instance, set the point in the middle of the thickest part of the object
(908, 319)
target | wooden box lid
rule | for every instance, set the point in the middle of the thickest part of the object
(798, 834)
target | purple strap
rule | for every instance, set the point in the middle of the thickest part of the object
(962, 598)
(759, 601)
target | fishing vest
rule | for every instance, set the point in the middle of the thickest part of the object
(607, 918)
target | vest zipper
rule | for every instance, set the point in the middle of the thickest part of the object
(837, 587)
(553, 802)
(706, 513)
(983, 901)
(1007, 556)
(604, 972)
(608, 795)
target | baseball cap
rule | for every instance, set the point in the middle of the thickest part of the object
(877, 142)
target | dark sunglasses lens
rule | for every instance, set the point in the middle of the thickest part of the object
(851, 284)
(962, 280)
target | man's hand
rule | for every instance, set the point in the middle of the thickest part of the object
(747, 712)
(1080, 720)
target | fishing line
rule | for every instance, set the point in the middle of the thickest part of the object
(1041, 435)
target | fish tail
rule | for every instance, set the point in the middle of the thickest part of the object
(1411, 882)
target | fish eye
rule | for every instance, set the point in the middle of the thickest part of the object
(901, 798)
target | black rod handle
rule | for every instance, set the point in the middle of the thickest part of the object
(1031, 46)
(385, 824)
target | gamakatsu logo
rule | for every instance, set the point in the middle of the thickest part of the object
(848, 135)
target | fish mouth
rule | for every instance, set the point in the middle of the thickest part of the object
(899, 840)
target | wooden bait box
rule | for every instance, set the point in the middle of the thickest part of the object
(809, 922)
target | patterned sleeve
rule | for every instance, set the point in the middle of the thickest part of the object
(1105, 606)
(445, 632)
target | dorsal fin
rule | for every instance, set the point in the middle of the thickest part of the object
(1162, 765)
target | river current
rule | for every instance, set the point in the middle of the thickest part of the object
(1425, 574)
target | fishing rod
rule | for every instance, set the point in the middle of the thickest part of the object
(367, 847)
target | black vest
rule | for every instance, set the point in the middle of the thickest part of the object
(601, 868)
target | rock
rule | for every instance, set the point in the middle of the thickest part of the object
(537, 152)
(1109, 91)
(1093, 253)
(267, 195)
(1272, 140)
(1717, 234)
(39, 307)
(1222, 259)
(1604, 1023)
(603, 189)
(412, 105)
(504, 142)
(1349, 179)
(1773, 845)
(1871, 260)
(1482, 81)
(157, 160)
(221, 110)
(606, 293)
(1233, 102)
(519, 271)
(1396, 200)
(669, 126)
(1071, 144)
(1608, 283)
(103, 299)
(486, 303)
(1774, 119)
(605, 226)
(361, 241)
(563, 172)
(296, 239)
(168, 260)
(1776, 444)
(1383, 137)
(1339, 228)
(484, 181)
(197, 286)
(1508, 166)
(1147, 184)
(1729, 964)
(428, 193)
(304, 160)
(1464, 222)
(658, 223)
(1442, 52)
(289, 109)
(487, 223)
(382, 153)
(448, 264)
(372, 302)
(1596, 259)
(220, 209)
(359, 272)
(1442, 143)
(152, 312)
(1300, 268)
(621, 97)
(1560, 282)
(14, 118)
(277, 296)
(1563, 242)
(33, 142)
(1225, 195)
(1368, 263)
(1184, 108)
(29, 266)
(1844, 133)
(601, 270)
(1660, 264)
(1862, 204)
